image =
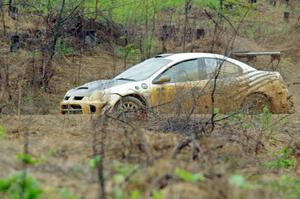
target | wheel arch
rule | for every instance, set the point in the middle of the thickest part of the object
(270, 100)
(135, 95)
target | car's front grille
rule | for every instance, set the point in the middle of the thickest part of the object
(75, 106)
(72, 112)
(71, 109)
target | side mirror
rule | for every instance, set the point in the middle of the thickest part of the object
(162, 79)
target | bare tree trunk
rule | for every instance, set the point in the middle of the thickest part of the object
(101, 165)
(3, 18)
(141, 48)
(19, 97)
(47, 73)
(187, 6)
(79, 68)
(144, 48)
(99, 124)
(113, 59)
(218, 26)
(4, 75)
(152, 30)
(34, 80)
(125, 58)
(24, 164)
(111, 39)
(96, 9)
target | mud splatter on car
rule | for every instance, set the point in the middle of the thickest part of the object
(181, 82)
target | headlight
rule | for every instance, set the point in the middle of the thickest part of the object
(98, 95)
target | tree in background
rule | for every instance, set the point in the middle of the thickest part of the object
(129, 29)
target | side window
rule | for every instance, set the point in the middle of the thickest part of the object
(202, 69)
(228, 69)
(184, 71)
(211, 64)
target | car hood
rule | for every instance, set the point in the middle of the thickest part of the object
(87, 89)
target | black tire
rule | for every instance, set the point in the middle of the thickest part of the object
(130, 108)
(255, 103)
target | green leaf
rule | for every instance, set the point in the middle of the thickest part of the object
(53, 152)
(94, 162)
(282, 159)
(118, 178)
(67, 194)
(188, 176)
(5, 184)
(136, 194)
(289, 187)
(266, 119)
(125, 169)
(157, 195)
(237, 180)
(117, 193)
(216, 110)
(241, 182)
(281, 163)
(27, 159)
(14, 185)
(2, 133)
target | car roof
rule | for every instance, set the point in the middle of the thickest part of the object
(177, 57)
(185, 56)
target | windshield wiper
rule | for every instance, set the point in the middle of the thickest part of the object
(126, 79)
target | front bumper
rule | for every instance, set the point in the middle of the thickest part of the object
(82, 107)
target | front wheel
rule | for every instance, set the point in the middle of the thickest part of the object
(255, 103)
(130, 108)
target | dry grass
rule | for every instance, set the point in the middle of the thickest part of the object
(64, 146)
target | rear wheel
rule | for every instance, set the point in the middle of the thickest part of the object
(130, 108)
(255, 103)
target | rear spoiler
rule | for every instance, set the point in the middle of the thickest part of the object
(252, 55)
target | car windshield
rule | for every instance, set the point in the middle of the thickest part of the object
(143, 70)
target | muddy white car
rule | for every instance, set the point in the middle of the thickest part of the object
(182, 83)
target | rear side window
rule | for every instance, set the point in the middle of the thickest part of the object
(227, 69)
(184, 71)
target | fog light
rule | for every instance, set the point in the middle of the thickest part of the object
(92, 109)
